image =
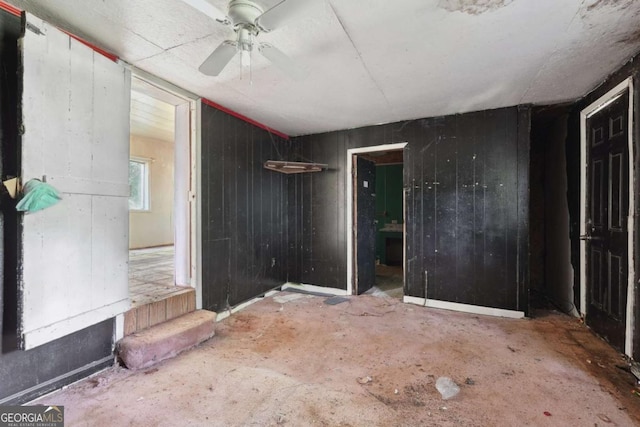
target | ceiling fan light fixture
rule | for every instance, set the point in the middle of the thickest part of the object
(245, 44)
(245, 58)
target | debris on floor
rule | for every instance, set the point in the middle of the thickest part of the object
(604, 418)
(365, 380)
(283, 299)
(635, 369)
(301, 367)
(336, 300)
(447, 388)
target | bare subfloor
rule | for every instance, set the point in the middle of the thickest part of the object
(151, 275)
(297, 361)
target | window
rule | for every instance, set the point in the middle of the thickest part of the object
(138, 185)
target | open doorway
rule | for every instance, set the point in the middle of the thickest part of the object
(376, 213)
(160, 211)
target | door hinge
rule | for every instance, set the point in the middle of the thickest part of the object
(33, 28)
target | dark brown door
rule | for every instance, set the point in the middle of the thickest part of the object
(606, 227)
(365, 228)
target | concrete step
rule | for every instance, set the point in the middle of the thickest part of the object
(166, 340)
(158, 307)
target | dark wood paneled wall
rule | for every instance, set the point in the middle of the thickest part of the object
(10, 29)
(317, 213)
(389, 208)
(466, 185)
(551, 273)
(244, 218)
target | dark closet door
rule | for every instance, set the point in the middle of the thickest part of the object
(364, 224)
(606, 227)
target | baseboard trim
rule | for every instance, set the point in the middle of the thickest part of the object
(53, 384)
(314, 288)
(465, 308)
(223, 315)
(294, 286)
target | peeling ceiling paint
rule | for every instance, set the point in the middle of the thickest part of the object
(372, 61)
(596, 4)
(632, 38)
(473, 7)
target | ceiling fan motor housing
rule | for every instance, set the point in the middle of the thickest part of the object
(243, 13)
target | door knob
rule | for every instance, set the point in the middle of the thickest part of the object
(588, 237)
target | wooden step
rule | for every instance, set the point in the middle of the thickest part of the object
(157, 308)
(166, 340)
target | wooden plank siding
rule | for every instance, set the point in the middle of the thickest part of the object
(244, 220)
(466, 185)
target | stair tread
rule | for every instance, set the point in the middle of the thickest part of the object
(161, 309)
(165, 340)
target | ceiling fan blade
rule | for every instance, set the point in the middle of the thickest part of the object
(208, 9)
(282, 61)
(278, 15)
(215, 63)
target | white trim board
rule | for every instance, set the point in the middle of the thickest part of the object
(296, 286)
(589, 111)
(59, 378)
(118, 329)
(183, 172)
(36, 337)
(178, 96)
(160, 83)
(349, 184)
(314, 288)
(196, 212)
(223, 315)
(466, 308)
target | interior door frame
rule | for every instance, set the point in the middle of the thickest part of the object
(350, 193)
(585, 114)
(194, 107)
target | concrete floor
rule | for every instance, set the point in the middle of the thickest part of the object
(297, 361)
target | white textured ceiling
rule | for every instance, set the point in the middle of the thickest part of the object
(373, 61)
(153, 111)
(151, 117)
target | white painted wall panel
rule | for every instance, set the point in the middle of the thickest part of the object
(111, 97)
(76, 133)
(80, 102)
(57, 238)
(110, 239)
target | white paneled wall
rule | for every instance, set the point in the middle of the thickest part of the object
(75, 109)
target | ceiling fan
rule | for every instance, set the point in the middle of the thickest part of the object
(248, 20)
